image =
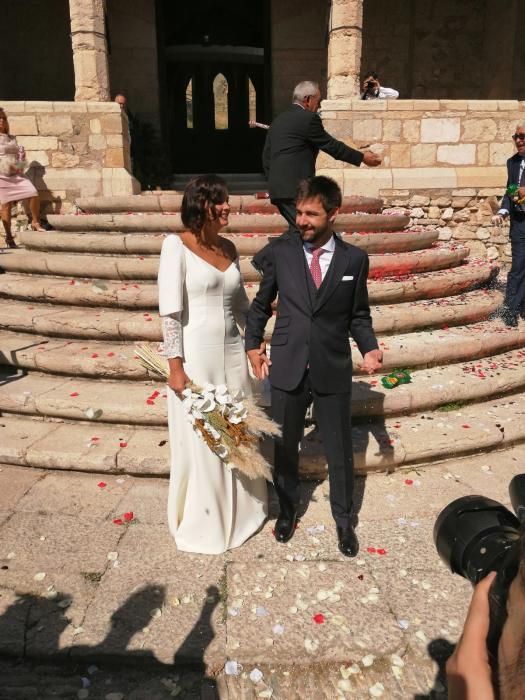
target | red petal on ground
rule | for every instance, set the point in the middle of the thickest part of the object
(71, 281)
(128, 517)
(118, 521)
(95, 354)
(102, 484)
(381, 551)
(318, 619)
(371, 550)
(409, 482)
(466, 425)
(94, 439)
(123, 444)
(111, 354)
(75, 393)
(150, 402)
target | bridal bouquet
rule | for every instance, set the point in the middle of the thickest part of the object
(230, 424)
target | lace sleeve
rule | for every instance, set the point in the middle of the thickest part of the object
(172, 334)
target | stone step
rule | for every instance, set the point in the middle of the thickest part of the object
(378, 444)
(128, 267)
(127, 402)
(122, 325)
(238, 223)
(246, 243)
(143, 295)
(108, 359)
(151, 202)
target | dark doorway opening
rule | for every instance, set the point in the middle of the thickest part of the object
(214, 77)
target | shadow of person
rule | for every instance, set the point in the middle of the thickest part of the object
(371, 421)
(440, 650)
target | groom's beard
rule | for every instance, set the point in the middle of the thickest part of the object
(316, 236)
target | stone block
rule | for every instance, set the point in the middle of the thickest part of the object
(115, 141)
(419, 200)
(418, 178)
(95, 126)
(367, 130)
(482, 177)
(37, 158)
(14, 107)
(70, 107)
(482, 154)
(483, 234)
(477, 250)
(23, 125)
(391, 129)
(373, 106)
(97, 142)
(102, 107)
(40, 143)
(479, 130)
(111, 123)
(505, 105)
(460, 154)
(440, 130)
(498, 153)
(366, 181)
(39, 106)
(454, 105)
(447, 214)
(427, 105)
(325, 161)
(400, 105)
(114, 158)
(423, 154)
(64, 160)
(411, 130)
(482, 105)
(445, 233)
(434, 212)
(54, 124)
(441, 201)
(400, 155)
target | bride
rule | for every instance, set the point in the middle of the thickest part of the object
(201, 302)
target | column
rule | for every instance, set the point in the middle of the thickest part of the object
(90, 55)
(344, 48)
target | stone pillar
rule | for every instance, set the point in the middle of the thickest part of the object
(344, 48)
(90, 55)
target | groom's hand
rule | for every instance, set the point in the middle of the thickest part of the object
(259, 361)
(372, 361)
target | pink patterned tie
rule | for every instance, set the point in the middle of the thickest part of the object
(315, 267)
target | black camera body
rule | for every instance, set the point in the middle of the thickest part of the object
(475, 535)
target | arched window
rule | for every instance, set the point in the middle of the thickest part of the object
(220, 98)
(252, 100)
(189, 104)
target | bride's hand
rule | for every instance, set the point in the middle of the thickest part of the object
(178, 380)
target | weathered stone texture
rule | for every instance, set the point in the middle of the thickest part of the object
(88, 34)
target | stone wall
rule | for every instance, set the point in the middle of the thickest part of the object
(445, 48)
(440, 150)
(133, 60)
(74, 149)
(36, 57)
(298, 46)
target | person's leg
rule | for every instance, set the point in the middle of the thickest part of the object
(34, 206)
(6, 220)
(288, 411)
(288, 211)
(332, 412)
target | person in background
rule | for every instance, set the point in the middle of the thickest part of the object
(14, 186)
(515, 293)
(373, 90)
(293, 142)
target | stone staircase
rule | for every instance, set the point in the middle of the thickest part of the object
(74, 302)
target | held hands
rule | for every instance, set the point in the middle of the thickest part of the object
(372, 361)
(259, 361)
(468, 669)
(371, 159)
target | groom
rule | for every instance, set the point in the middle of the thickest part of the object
(321, 282)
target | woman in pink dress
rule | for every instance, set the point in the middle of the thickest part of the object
(14, 187)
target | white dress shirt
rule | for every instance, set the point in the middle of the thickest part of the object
(324, 259)
(505, 212)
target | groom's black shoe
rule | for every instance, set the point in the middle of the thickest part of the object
(285, 525)
(348, 544)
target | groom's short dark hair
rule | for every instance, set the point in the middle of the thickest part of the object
(323, 187)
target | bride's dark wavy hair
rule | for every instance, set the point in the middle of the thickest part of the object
(200, 193)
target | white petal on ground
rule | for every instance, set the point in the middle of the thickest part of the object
(368, 660)
(232, 668)
(256, 675)
(40, 576)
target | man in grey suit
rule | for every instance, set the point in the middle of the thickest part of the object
(293, 142)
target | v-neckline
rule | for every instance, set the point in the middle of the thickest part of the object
(222, 272)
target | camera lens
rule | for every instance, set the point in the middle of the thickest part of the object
(473, 535)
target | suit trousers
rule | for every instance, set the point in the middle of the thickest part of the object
(287, 210)
(515, 293)
(332, 412)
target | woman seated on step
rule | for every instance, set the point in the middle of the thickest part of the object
(14, 186)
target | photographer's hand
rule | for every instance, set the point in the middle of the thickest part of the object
(468, 669)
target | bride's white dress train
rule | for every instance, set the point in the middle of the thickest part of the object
(210, 508)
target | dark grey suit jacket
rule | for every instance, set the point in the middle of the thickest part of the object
(311, 330)
(292, 144)
(517, 215)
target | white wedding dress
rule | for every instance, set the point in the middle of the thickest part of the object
(210, 508)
